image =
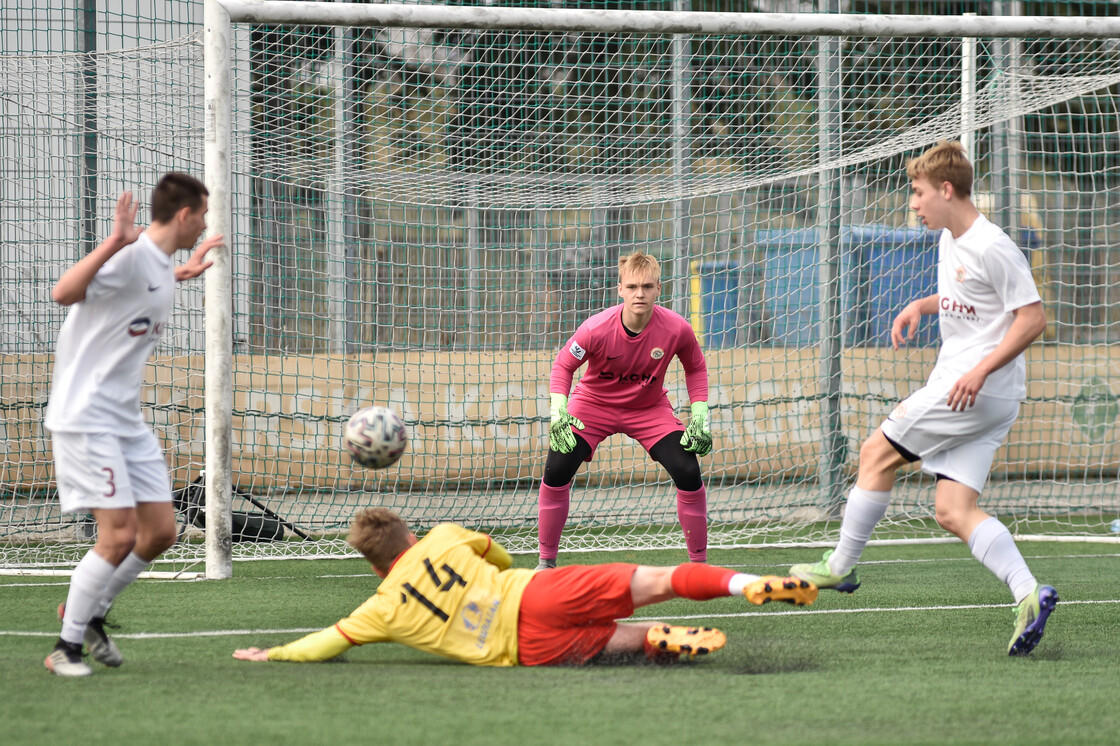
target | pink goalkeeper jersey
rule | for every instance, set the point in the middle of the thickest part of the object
(626, 371)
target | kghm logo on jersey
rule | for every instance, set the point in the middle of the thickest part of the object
(657, 353)
(956, 309)
(139, 327)
(644, 379)
(143, 325)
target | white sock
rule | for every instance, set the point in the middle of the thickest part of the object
(865, 508)
(86, 586)
(126, 572)
(992, 544)
(739, 581)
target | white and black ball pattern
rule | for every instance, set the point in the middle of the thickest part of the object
(375, 437)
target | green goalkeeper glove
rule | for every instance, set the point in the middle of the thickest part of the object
(560, 424)
(697, 436)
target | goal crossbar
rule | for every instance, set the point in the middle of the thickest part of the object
(665, 22)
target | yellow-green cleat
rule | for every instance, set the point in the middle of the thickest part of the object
(1030, 619)
(822, 576)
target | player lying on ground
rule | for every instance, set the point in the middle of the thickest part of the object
(628, 349)
(107, 461)
(453, 593)
(989, 313)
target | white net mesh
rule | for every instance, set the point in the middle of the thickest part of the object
(507, 120)
(76, 130)
(421, 218)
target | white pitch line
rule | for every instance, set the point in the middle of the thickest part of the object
(973, 559)
(738, 615)
(807, 612)
(169, 580)
(169, 577)
(927, 560)
(164, 576)
(48, 573)
(65, 583)
(174, 635)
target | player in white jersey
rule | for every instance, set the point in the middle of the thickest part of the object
(989, 311)
(107, 460)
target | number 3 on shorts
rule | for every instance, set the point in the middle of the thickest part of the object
(112, 485)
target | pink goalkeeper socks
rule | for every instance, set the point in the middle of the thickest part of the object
(552, 514)
(692, 512)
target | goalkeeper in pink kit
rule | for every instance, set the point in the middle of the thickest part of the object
(627, 349)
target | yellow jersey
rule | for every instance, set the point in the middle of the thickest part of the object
(452, 593)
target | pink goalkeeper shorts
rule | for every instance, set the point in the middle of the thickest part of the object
(647, 426)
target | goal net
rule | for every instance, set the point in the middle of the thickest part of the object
(420, 217)
(76, 130)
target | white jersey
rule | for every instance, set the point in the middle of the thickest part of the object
(981, 278)
(106, 340)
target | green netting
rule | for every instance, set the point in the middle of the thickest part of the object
(421, 218)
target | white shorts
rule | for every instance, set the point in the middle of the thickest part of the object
(959, 445)
(102, 470)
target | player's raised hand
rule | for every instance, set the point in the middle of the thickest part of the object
(71, 286)
(125, 230)
(251, 654)
(697, 436)
(560, 424)
(198, 263)
(905, 326)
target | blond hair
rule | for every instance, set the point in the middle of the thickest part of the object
(639, 263)
(379, 535)
(945, 161)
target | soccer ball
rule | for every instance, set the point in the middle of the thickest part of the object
(375, 437)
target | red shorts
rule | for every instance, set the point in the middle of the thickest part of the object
(568, 614)
(647, 426)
